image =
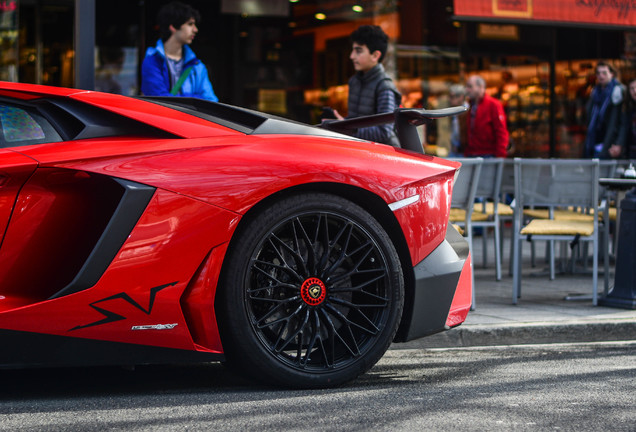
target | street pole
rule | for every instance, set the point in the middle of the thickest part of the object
(84, 41)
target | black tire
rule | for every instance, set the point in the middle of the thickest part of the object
(311, 293)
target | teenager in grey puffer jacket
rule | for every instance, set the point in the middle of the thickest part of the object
(371, 90)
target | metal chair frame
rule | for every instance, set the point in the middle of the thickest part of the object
(554, 183)
(488, 191)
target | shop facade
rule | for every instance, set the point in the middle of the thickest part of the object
(291, 58)
(539, 57)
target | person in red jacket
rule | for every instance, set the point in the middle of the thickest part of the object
(487, 134)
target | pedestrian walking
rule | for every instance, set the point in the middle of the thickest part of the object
(627, 134)
(371, 90)
(604, 110)
(487, 133)
(171, 68)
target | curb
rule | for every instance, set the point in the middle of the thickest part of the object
(527, 334)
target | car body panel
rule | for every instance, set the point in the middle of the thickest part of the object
(169, 120)
(237, 173)
(142, 286)
(462, 300)
(34, 91)
(155, 286)
(15, 169)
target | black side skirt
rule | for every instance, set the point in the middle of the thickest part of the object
(25, 349)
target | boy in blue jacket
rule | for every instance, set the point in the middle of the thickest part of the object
(171, 68)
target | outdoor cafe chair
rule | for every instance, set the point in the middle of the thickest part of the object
(556, 185)
(486, 211)
(607, 168)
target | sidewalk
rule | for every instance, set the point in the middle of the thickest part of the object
(542, 315)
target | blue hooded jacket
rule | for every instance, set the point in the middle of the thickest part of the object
(155, 76)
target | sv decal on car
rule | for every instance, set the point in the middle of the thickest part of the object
(155, 327)
(110, 316)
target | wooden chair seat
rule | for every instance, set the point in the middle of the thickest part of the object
(558, 227)
(613, 212)
(459, 215)
(564, 215)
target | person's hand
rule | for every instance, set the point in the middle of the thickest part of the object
(615, 150)
(330, 114)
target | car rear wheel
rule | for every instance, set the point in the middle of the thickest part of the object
(311, 293)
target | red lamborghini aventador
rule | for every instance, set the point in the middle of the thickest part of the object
(163, 230)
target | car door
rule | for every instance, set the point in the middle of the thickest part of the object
(15, 169)
(19, 126)
(52, 239)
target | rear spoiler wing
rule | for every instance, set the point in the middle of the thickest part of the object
(406, 120)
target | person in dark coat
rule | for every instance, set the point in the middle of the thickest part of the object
(627, 134)
(604, 110)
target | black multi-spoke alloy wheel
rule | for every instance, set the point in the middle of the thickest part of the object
(312, 293)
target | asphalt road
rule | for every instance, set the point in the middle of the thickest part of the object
(576, 387)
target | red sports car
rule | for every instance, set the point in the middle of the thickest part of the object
(166, 230)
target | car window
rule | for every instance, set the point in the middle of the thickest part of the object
(24, 126)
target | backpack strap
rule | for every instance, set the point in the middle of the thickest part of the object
(177, 86)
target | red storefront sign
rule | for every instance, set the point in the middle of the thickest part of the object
(601, 12)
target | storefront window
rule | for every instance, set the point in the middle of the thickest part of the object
(332, 45)
(8, 40)
(46, 54)
(116, 53)
(522, 84)
(524, 90)
(425, 74)
(116, 70)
